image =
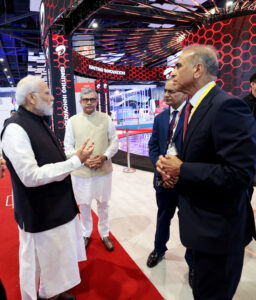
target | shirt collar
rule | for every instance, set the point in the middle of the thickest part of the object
(89, 116)
(178, 109)
(198, 94)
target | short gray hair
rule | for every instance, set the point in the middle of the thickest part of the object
(207, 56)
(27, 84)
(88, 91)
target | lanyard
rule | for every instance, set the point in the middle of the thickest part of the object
(202, 97)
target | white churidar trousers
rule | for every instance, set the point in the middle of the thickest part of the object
(50, 257)
(85, 190)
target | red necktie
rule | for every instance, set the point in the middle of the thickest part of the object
(187, 113)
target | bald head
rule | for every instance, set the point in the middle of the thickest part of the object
(196, 66)
(205, 55)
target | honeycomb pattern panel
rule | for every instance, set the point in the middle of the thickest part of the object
(89, 67)
(49, 12)
(235, 42)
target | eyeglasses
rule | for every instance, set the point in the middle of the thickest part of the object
(89, 99)
(169, 92)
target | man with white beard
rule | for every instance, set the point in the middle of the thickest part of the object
(51, 242)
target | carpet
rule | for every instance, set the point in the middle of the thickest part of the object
(105, 275)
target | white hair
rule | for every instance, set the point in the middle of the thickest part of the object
(27, 84)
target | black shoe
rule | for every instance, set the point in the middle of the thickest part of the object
(65, 296)
(191, 277)
(86, 241)
(153, 259)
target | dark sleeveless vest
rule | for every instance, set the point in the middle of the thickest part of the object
(47, 206)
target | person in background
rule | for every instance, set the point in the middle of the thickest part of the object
(166, 138)
(44, 205)
(2, 173)
(12, 113)
(2, 166)
(216, 165)
(251, 98)
(93, 180)
(251, 101)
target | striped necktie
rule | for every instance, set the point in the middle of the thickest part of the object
(171, 125)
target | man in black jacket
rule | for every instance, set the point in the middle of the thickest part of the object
(251, 98)
(251, 101)
(45, 209)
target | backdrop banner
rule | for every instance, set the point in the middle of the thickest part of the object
(61, 82)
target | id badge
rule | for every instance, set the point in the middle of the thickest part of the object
(172, 149)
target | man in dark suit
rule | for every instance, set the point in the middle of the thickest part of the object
(216, 166)
(166, 136)
(251, 101)
(251, 98)
(12, 113)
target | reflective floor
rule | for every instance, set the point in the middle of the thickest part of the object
(132, 221)
(138, 144)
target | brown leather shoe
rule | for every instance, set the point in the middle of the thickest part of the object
(108, 243)
(86, 241)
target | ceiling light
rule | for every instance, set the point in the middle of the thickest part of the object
(8, 76)
(1, 59)
(95, 25)
(5, 69)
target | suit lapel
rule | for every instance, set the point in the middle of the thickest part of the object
(165, 124)
(197, 117)
(180, 123)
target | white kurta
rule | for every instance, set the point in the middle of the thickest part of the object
(52, 255)
(98, 187)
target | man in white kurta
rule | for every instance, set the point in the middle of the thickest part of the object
(48, 255)
(93, 180)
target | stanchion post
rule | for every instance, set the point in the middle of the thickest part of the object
(128, 169)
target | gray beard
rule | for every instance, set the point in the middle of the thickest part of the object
(43, 108)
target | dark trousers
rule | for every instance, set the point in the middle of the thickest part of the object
(216, 277)
(2, 292)
(166, 203)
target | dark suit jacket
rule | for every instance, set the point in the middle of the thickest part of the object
(251, 101)
(219, 155)
(158, 141)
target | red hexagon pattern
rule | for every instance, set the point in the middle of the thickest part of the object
(52, 9)
(87, 67)
(235, 42)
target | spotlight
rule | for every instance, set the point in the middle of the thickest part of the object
(1, 59)
(95, 25)
(5, 69)
(8, 76)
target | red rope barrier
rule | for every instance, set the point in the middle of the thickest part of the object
(125, 119)
(135, 129)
